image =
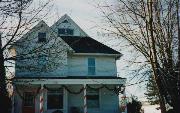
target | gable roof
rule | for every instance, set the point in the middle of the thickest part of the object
(66, 17)
(37, 26)
(24, 37)
(88, 45)
(34, 29)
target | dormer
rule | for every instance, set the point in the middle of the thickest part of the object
(65, 26)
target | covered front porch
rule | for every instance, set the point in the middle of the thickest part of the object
(67, 95)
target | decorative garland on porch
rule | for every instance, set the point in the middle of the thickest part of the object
(63, 86)
(22, 97)
(69, 91)
(115, 90)
(52, 89)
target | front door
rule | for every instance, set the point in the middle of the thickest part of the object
(28, 105)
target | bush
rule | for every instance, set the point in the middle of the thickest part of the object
(134, 106)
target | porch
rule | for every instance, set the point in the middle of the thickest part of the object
(68, 95)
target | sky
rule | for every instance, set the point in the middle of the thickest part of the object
(87, 16)
(81, 11)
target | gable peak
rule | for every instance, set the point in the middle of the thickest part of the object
(42, 23)
(65, 17)
(66, 26)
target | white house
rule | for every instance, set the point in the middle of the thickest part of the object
(60, 68)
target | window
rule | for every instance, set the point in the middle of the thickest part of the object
(91, 66)
(41, 37)
(65, 21)
(28, 99)
(55, 100)
(61, 31)
(65, 31)
(92, 98)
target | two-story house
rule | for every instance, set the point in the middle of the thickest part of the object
(60, 68)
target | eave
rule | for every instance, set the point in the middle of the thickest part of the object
(117, 56)
(64, 80)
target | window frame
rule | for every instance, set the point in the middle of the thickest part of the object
(65, 31)
(42, 39)
(24, 100)
(55, 93)
(71, 31)
(91, 92)
(91, 66)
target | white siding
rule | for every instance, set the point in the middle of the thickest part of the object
(108, 101)
(78, 65)
(55, 49)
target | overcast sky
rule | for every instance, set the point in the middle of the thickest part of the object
(81, 11)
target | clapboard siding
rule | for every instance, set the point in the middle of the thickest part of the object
(78, 65)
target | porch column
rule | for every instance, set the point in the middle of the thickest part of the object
(124, 103)
(41, 102)
(124, 94)
(85, 99)
(65, 100)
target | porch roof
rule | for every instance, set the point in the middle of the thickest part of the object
(70, 80)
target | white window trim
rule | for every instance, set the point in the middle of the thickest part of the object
(91, 66)
(99, 106)
(56, 93)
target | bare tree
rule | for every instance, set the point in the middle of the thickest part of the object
(152, 28)
(17, 16)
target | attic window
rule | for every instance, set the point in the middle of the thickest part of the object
(65, 21)
(65, 31)
(41, 37)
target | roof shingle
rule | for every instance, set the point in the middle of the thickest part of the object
(87, 45)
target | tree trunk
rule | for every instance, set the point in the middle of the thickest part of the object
(5, 102)
(154, 62)
(176, 106)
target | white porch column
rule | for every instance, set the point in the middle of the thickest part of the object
(85, 99)
(65, 101)
(41, 102)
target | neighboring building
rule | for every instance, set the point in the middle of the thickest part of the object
(62, 68)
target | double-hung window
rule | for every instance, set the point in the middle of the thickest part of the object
(28, 99)
(91, 66)
(92, 98)
(55, 99)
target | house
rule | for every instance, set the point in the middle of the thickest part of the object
(61, 69)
